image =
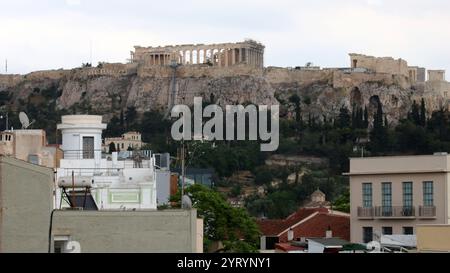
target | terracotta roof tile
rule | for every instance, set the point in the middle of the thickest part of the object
(273, 227)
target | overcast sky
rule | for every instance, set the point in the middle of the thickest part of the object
(52, 34)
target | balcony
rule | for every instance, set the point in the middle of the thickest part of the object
(395, 212)
(365, 213)
(427, 212)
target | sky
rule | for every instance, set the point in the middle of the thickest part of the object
(53, 34)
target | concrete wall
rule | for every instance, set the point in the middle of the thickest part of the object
(433, 238)
(380, 65)
(441, 88)
(199, 71)
(9, 80)
(25, 206)
(129, 231)
(162, 186)
(279, 75)
(436, 75)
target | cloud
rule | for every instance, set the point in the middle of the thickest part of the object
(35, 37)
(73, 2)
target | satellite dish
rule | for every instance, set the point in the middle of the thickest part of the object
(186, 202)
(374, 246)
(24, 120)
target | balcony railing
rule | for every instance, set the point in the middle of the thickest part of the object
(395, 211)
(82, 154)
(427, 211)
(365, 212)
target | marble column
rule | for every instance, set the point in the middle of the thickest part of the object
(226, 56)
(233, 56)
(191, 57)
(198, 56)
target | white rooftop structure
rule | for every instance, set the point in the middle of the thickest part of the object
(126, 182)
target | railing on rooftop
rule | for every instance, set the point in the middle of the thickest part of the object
(395, 211)
(364, 212)
(82, 154)
(125, 159)
(427, 211)
(66, 172)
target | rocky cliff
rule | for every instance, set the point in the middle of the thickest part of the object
(113, 87)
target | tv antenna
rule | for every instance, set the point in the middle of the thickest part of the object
(24, 120)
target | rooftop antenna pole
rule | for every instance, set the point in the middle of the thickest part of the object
(182, 171)
(90, 50)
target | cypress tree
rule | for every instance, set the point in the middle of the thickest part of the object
(366, 118)
(422, 116)
(415, 115)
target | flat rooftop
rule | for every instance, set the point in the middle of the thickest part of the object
(436, 163)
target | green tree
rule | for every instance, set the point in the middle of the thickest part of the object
(366, 118)
(232, 226)
(414, 115)
(131, 118)
(422, 114)
(342, 203)
(379, 135)
(295, 99)
(344, 119)
(263, 175)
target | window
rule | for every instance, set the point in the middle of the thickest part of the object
(367, 195)
(407, 199)
(34, 159)
(386, 198)
(123, 145)
(88, 147)
(407, 194)
(428, 193)
(386, 230)
(408, 230)
(60, 243)
(367, 234)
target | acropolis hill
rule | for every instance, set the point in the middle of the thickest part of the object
(158, 77)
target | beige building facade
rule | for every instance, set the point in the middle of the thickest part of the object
(380, 64)
(395, 194)
(433, 238)
(31, 146)
(128, 140)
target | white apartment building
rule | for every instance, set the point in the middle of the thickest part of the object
(115, 182)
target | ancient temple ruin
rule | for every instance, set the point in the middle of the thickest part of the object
(248, 52)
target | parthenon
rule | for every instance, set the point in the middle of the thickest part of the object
(248, 52)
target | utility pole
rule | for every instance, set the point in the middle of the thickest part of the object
(182, 171)
(90, 51)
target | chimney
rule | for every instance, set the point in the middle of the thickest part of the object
(329, 233)
(290, 234)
